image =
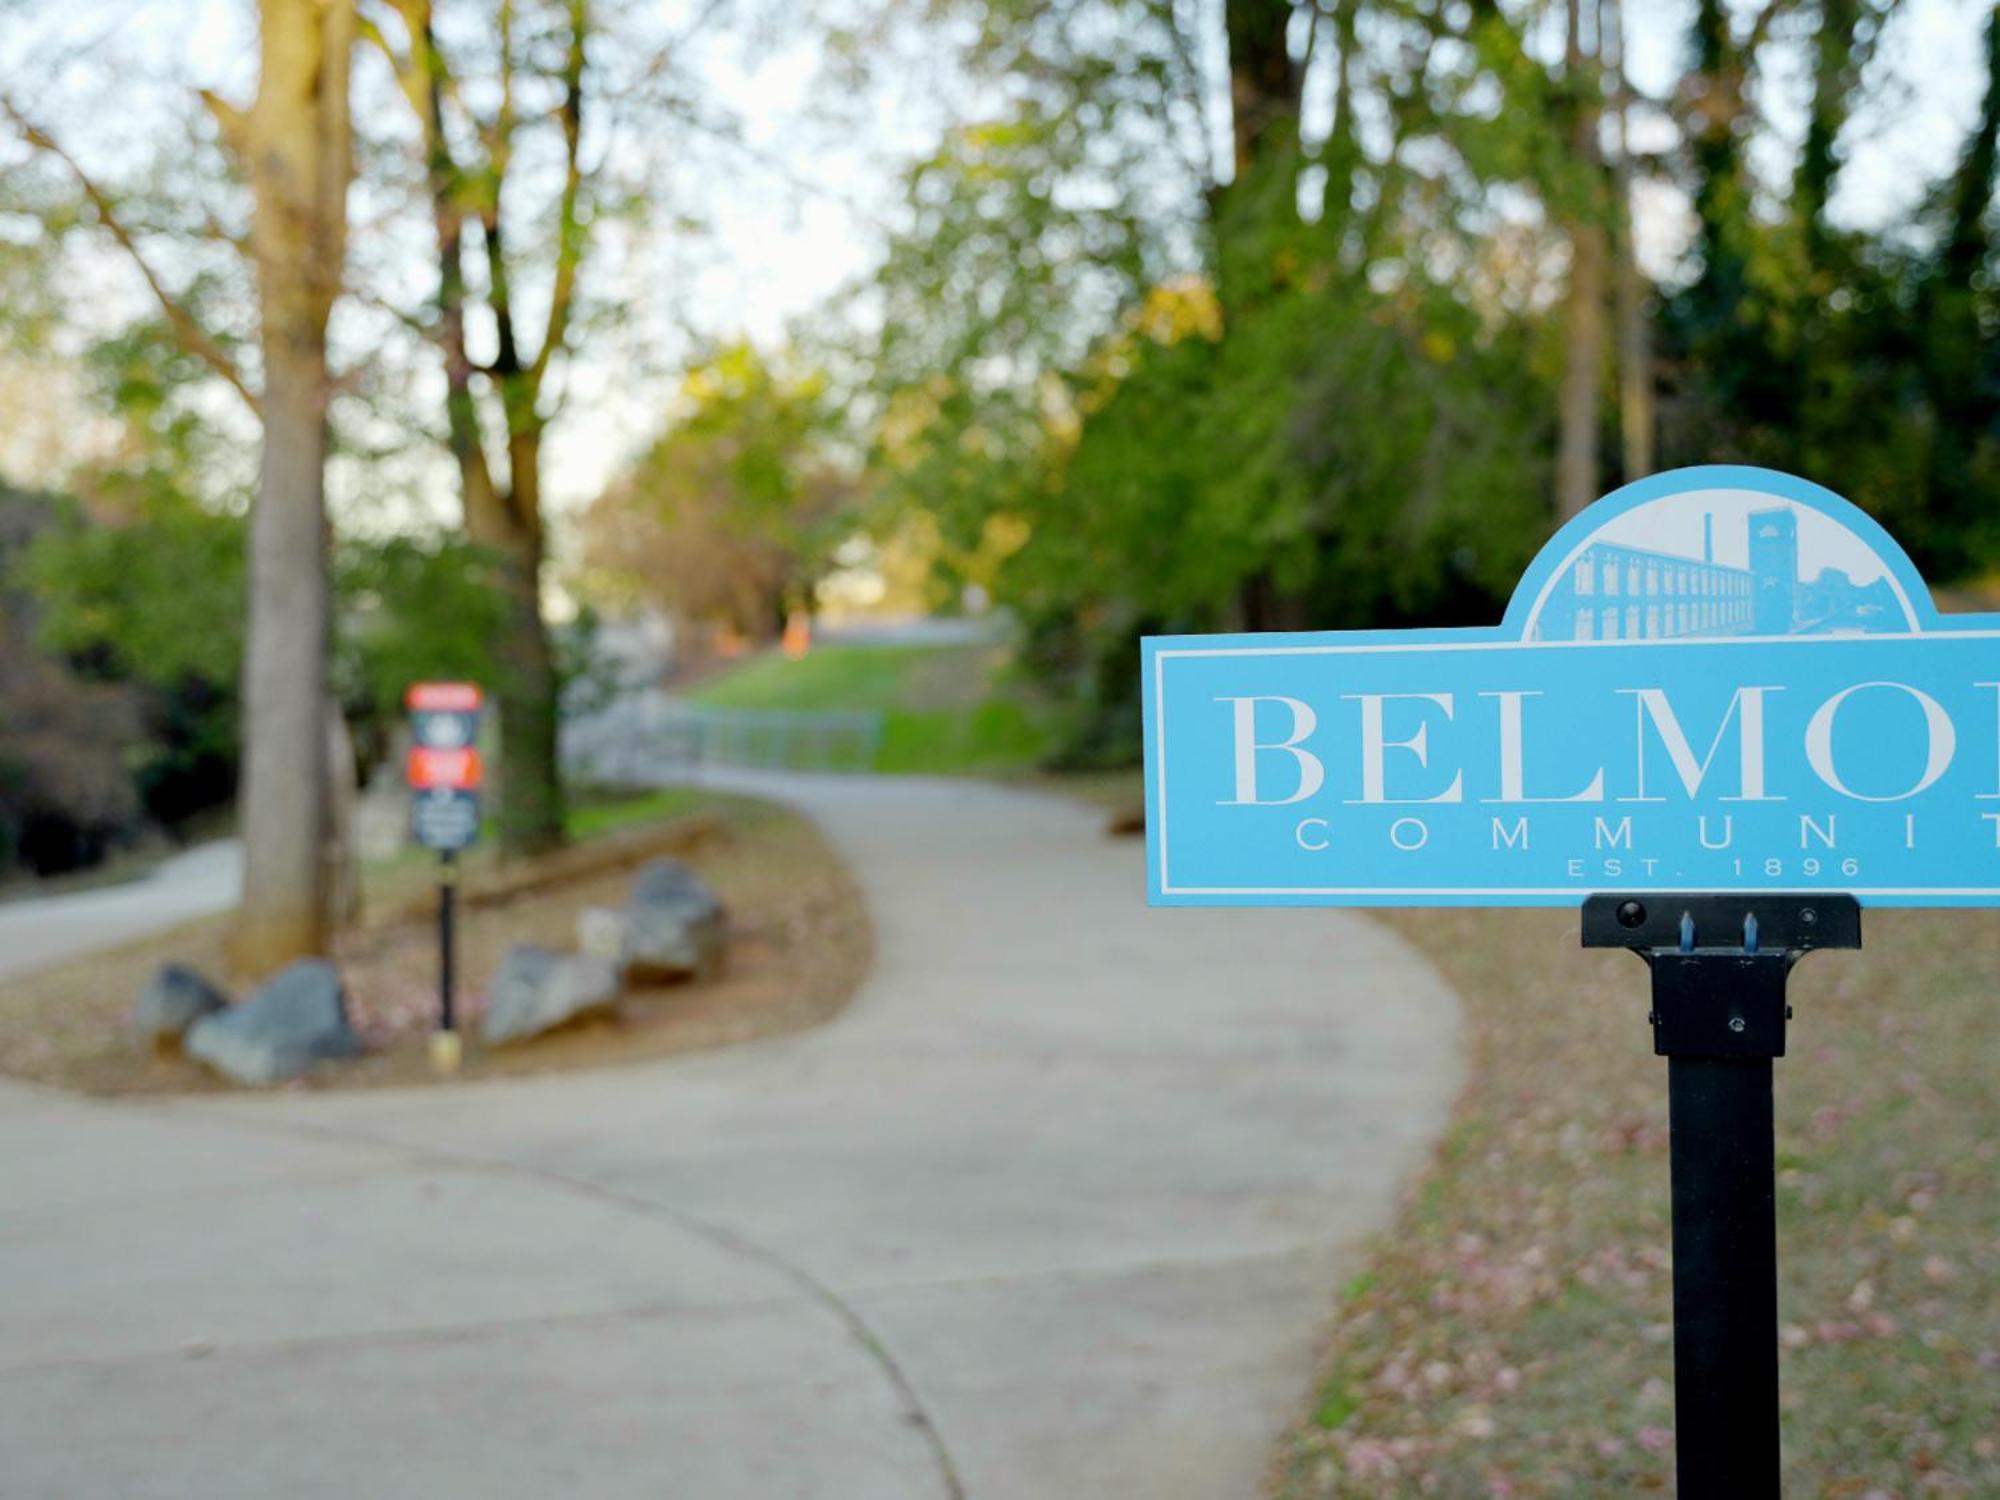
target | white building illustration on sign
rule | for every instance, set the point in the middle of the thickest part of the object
(1617, 588)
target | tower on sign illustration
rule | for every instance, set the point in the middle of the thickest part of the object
(1774, 562)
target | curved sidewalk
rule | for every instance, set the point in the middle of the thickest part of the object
(38, 931)
(1053, 1210)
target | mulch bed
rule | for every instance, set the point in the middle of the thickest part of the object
(799, 945)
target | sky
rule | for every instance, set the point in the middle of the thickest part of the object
(799, 216)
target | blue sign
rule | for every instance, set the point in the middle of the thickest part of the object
(1716, 679)
(445, 818)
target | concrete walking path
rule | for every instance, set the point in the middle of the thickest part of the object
(1054, 1210)
(42, 930)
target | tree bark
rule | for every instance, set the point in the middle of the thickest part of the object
(1834, 70)
(283, 802)
(1715, 87)
(1966, 243)
(343, 861)
(1954, 351)
(1635, 353)
(1583, 334)
(525, 686)
(1342, 150)
(296, 145)
(1264, 82)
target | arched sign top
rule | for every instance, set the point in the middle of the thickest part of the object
(1716, 679)
(1807, 561)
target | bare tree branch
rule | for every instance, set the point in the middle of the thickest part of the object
(187, 329)
(569, 224)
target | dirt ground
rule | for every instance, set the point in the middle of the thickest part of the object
(799, 944)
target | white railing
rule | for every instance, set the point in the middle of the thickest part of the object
(643, 737)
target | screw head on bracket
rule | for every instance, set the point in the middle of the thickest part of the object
(1736, 1023)
(1631, 914)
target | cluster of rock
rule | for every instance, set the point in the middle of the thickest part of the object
(282, 1029)
(670, 927)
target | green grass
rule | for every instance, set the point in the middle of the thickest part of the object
(597, 811)
(593, 812)
(946, 710)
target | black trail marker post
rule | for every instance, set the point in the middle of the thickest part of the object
(1719, 965)
(1721, 713)
(447, 902)
(444, 775)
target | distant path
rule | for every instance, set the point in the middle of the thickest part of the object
(38, 931)
(1052, 1212)
(920, 630)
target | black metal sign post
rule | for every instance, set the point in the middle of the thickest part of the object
(446, 1049)
(444, 773)
(1719, 967)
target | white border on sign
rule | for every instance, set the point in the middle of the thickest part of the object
(1167, 888)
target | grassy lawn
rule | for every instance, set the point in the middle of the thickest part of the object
(1512, 1334)
(596, 811)
(945, 709)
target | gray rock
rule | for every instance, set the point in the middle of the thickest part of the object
(288, 1024)
(536, 989)
(673, 923)
(173, 1000)
(600, 932)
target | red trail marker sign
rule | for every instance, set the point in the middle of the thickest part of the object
(444, 772)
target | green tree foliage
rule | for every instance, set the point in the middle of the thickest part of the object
(156, 604)
(1317, 386)
(725, 520)
(409, 609)
(114, 600)
(138, 583)
(1307, 396)
(65, 796)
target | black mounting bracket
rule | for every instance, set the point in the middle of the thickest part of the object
(1720, 961)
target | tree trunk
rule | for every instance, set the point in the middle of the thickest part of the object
(1342, 150)
(343, 792)
(1264, 81)
(1635, 353)
(524, 685)
(1834, 73)
(1966, 243)
(1265, 84)
(531, 803)
(296, 145)
(1583, 337)
(1954, 349)
(283, 802)
(1721, 194)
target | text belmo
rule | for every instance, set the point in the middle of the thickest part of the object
(1550, 772)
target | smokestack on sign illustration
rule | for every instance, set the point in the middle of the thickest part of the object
(1708, 536)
